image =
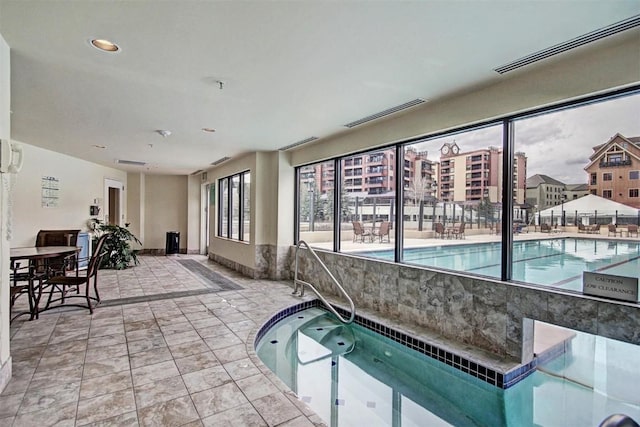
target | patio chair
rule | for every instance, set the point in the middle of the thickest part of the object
(582, 228)
(458, 232)
(631, 230)
(359, 233)
(63, 283)
(613, 229)
(594, 229)
(382, 231)
(440, 230)
(545, 228)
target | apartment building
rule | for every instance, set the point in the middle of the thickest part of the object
(475, 175)
(544, 191)
(614, 170)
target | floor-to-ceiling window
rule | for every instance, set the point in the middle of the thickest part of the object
(316, 211)
(235, 206)
(536, 197)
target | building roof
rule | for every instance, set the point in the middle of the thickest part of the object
(538, 179)
(577, 187)
(589, 204)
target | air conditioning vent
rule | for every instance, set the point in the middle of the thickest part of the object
(196, 172)
(610, 30)
(386, 112)
(222, 160)
(130, 162)
(295, 144)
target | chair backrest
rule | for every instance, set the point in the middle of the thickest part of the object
(439, 228)
(357, 227)
(57, 237)
(461, 229)
(632, 228)
(96, 258)
(384, 228)
(612, 227)
(580, 226)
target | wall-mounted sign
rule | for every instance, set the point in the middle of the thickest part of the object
(50, 188)
(610, 286)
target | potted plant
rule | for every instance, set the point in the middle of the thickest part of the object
(119, 253)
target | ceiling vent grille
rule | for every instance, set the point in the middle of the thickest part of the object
(610, 30)
(386, 112)
(130, 162)
(196, 172)
(295, 144)
(222, 160)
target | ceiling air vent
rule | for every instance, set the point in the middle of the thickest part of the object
(196, 172)
(130, 162)
(386, 112)
(295, 144)
(571, 44)
(222, 160)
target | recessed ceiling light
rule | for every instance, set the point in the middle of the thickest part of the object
(165, 133)
(208, 130)
(105, 45)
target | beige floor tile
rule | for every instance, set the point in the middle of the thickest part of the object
(276, 409)
(227, 339)
(97, 368)
(155, 372)
(150, 357)
(59, 416)
(130, 419)
(244, 415)
(229, 354)
(44, 398)
(56, 376)
(188, 348)
(182, 337)
(9, 404)
(159, 391)
(105, 384)
(256, 386)
(146, 344)
(196, 362)
(206, 379)
(105, 406)
(218, 399)
(176, 412)
(109, 352)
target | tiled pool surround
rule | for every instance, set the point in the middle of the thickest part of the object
(489, 314)
(472, 367)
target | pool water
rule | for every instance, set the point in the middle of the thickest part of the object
(533, 260)
(351, 376)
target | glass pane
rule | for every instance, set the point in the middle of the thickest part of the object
(316, 186)
(580, 189)
(452, 192)
(246, 214)
(368, 203)
(235, 207)
(224, 208)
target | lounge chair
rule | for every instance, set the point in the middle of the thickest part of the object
(582, 228)
(594, 229)
(440, 230)
(359, 233)
(458, 232)
(382, 231)
(613, 229)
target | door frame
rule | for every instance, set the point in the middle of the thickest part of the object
(108, 184)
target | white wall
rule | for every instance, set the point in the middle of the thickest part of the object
(5, 134)
(80, 183)
(165, 207)
(608, 64)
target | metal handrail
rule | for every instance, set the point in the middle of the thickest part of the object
(302, 284)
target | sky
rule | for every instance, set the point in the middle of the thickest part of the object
(557, 144)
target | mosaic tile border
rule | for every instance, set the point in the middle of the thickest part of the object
(475, 369)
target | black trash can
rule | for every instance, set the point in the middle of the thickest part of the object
(173, 242)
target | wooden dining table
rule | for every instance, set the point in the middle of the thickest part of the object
(33, 254)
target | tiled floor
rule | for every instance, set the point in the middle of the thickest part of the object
(174, 361)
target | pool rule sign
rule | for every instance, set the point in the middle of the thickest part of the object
(610, 286)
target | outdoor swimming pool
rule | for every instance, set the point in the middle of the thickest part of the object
(533, 260)
(350, 375)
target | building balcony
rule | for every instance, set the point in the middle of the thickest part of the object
(615, 164)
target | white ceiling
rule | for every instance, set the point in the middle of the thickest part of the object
(290, 70)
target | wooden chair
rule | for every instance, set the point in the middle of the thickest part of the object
(63, 283)
(359, 233)
(383, 231)
(545, 228)
(631, 230)
(613, 229)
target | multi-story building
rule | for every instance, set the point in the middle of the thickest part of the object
(476, 175)
(614, 170)
(544, 191)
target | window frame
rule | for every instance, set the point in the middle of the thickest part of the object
(507, 122)
(226, 207)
